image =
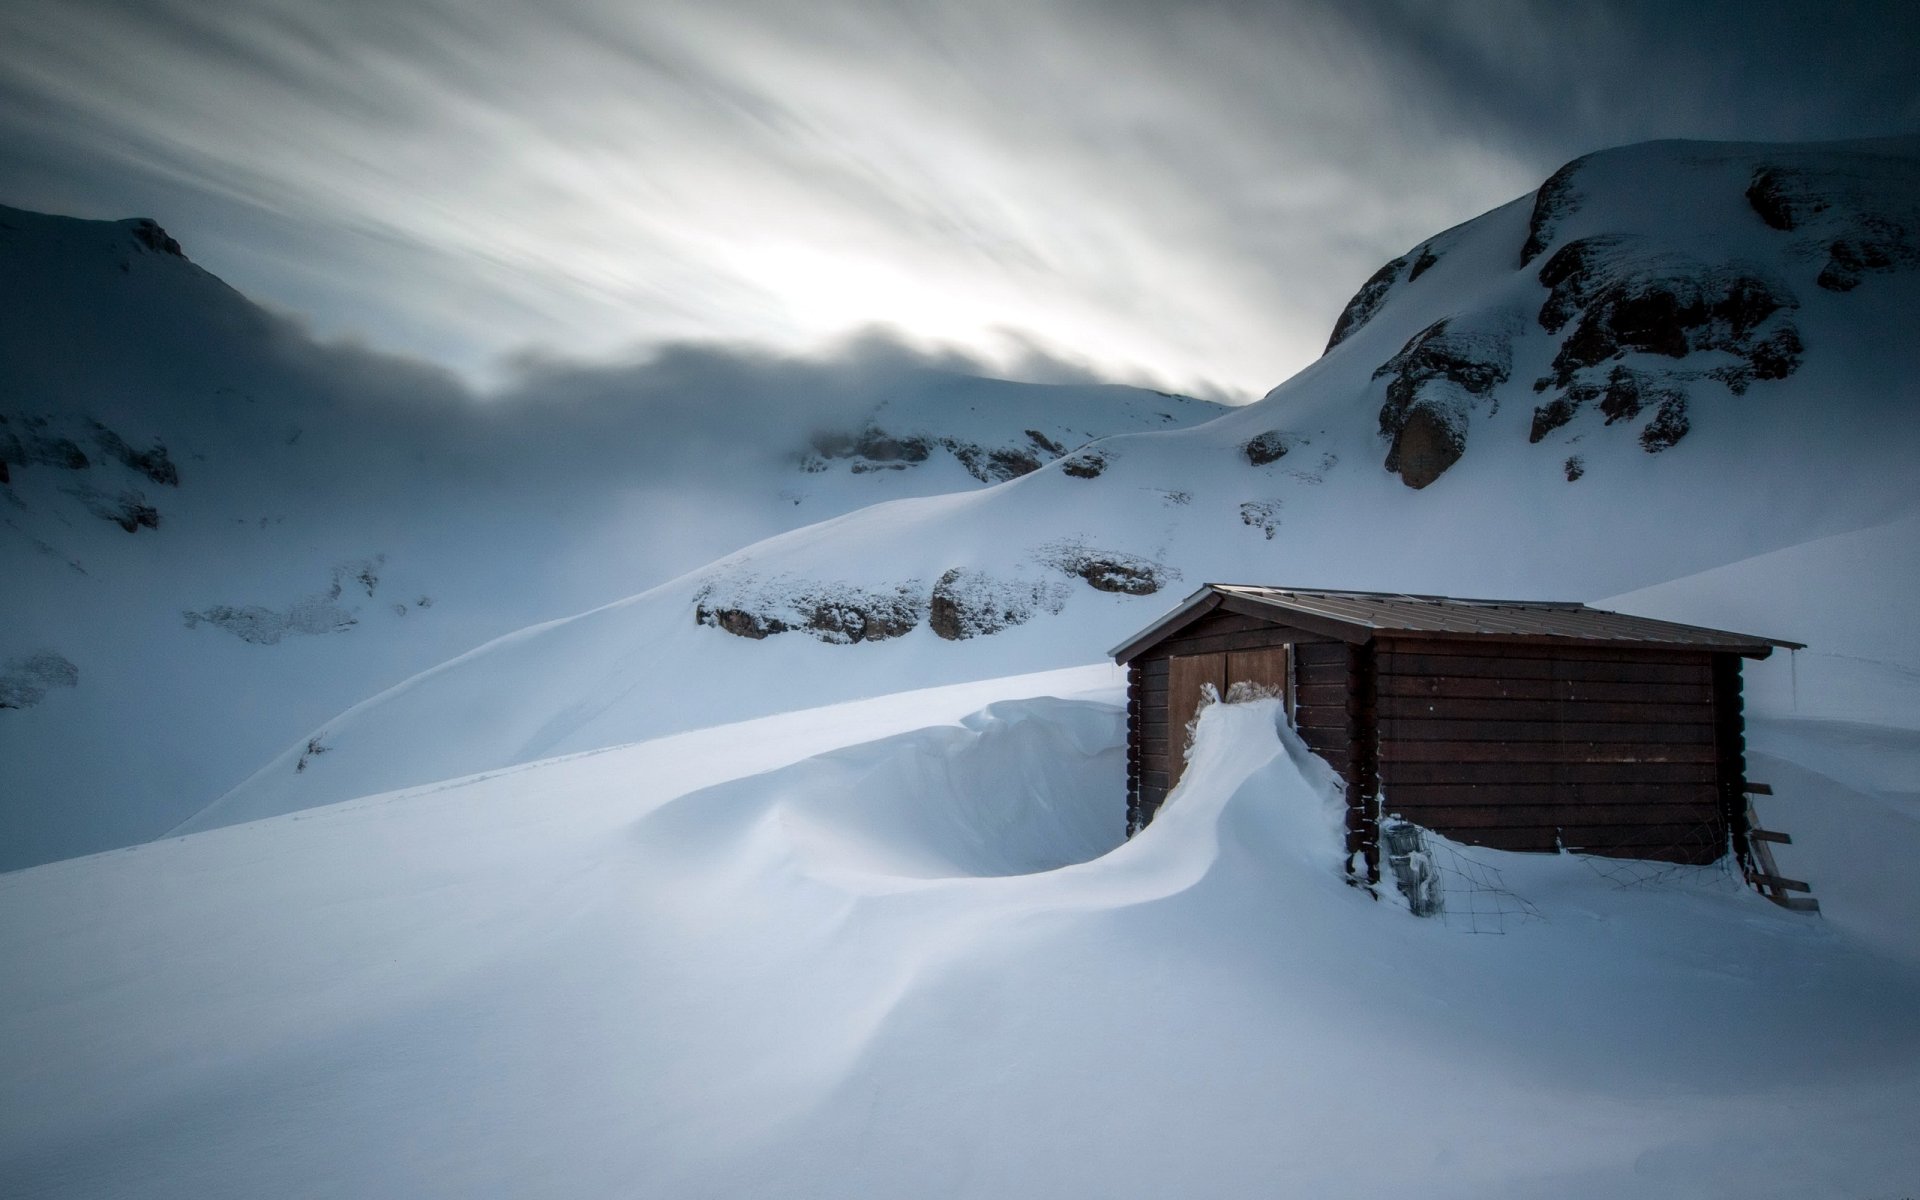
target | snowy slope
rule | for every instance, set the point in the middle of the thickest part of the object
(769, 961)
(1661, 364)
(215, 532)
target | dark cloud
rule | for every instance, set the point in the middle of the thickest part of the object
(1188, 191)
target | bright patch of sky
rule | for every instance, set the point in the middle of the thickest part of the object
(1177, 193)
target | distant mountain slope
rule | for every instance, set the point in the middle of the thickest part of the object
(1673, 357)
(215, 532)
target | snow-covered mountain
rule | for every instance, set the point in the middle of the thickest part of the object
(215, 533)
(900, 945)
(1673, 357)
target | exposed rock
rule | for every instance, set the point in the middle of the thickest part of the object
(25, 441)
(874, 449)
(879, 447)
(320, 613)
(1575, 467)
(968, 604)
(1630, 298)
(1107, 570)
(25, 681)
(1552, 415)
(1053, 448)
(1625, 394)
(1437, 377)
(152, 463)
(1781, 198)
(1862, 215)
(1573, 276)
(1366, 301)
(1555, 199)
(313, 749)
(1263, 515)
(129, 509)
(1268, 447)
(838, 613)
(266, 626)
(1085, 464)
(1668, 426)
(1629, 392)
(1877, 248)
(148, 233)
(1424, 263)
(1428, 442)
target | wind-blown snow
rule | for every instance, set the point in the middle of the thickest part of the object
(747, 962)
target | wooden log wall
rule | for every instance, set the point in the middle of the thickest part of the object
(1606, 751)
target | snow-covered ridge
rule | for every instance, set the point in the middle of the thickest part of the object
(1550, 492)
(216, 532)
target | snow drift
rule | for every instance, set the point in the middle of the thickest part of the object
(762, 961)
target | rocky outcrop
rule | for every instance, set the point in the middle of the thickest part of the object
(1862, 216)
(1668, 426)
(128, 509)
(1367, 301)
(1263, 515)
(838, 613)
(25, 681)
(1085, 464)
(1623, 296)
(147, 232)
(994, 464)
(1268, 447)
(1623, 396)
(969, 604)
(320, 613)
(875, 449)
(1433, 384)
(152, 462)
(1556, 198)
(29, 441)
(1107, 570)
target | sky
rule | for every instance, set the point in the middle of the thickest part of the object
(1183, 194)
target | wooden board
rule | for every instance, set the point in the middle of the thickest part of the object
(1468, 687)
(1395, 772)
(1563, 652)
(1517, 709)
(1546, 752)
(1541, 797)
(1398, 730)
(1490, 667)
(1267, 667)
(1188, 675)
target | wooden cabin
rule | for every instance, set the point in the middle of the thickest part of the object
(1519, 725)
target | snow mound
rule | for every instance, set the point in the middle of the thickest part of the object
(783, 959)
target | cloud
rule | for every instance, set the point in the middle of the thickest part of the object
(1186, 192)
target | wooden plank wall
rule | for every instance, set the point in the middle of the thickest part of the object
(1151, 737)
(1608, 751)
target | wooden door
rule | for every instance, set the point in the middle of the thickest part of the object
(1186, 674)
(1268, 668)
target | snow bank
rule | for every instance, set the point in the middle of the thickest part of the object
(784, 960)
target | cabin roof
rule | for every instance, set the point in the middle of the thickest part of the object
(1359, 616)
